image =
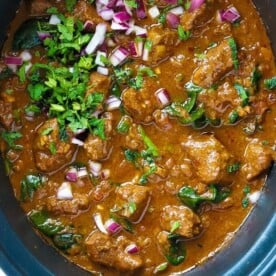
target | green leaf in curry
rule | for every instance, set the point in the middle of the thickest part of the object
(177, 252)
(270, 83)
(10, 137)
(234, 51)
(29, 184)
(65, 241)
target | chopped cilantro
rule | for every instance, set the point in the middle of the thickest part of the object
(47, 131)
(160, 268)
(233, 117)
(245, 200)
(53, 148)
(270, 83)
(132, 207)
(233, 167)
(233, 46)
(10, 138)
(182, 34)
(175, 226)
(148, 44)
(70, 4)
(131, 3)
(242, 93)
(151, 147)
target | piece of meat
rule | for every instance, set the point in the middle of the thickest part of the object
(6, 114)
(131, 200)
(188, 19)
(257, 158)
(218, 62)
(69, 206)
(99, 83)
(133, 139)
(97, 148)
(39, 7)
(49, 151)
(141, 104)
(102, 190)
(209, 158)
(111, 252)
(189, 222)
(163, 39)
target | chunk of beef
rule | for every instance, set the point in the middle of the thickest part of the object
(209, 157)
(257, 159)
(102, 190)
(39, 7)
(6, 114)
(112, 252)
(133, 139)
(162, 241)
(97, 148)
(69, 206)
(188, 19)
(131, 200)
(85, 11)
(189, 222)
(99, 83)
(140, 104)
(163, 40)
(49, 151)
(217, 63)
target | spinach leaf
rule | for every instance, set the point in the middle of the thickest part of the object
(45, 224)
(26, 36)
(270, 83)
(65, 241)
(29, 184)
(192, 199)
(177, 252)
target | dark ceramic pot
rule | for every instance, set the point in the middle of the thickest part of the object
(252, 251)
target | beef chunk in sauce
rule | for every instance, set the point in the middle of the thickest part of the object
(131, 200)
(49, 151)
(6, 114)
(257, 159)
(188, 221)
(215, 65)
(99, 83)
(73, 206)
(209, 157)
(140, 104)
(188, 19)
(112, 252)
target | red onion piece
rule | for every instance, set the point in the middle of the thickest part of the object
(82, 172)
(103, 70)
(132, 248)
(103, 2)
(141, 10)
(171, 2)
(120, 3)
(172, 20)
(54, 20)
(112, 103)
(119, 55)
(112, 226)
(154, 12)
(132, 49)
(143, 213)
(95, 168)
(99, 223)
(11, 60)
(71, 175)
(97, 39)
(121, 17)
(177, 10)
(111, 4)
(43, 35)
(65, 191)
(105, 173)
(89, 26)
(145, 56)
(230, 15)
(106, 14)
(76, 141)
(115, 26)
(139, 31)
(163, 96)
(195, 4)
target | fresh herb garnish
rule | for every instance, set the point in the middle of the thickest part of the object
(175, 226)
(270, 83)
(234, 50)
(233, 117)
(245, 201)
(233, 167)
(182, 34)
(242, 93)
(177, 252)
(10, 138)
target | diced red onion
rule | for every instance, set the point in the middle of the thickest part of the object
(121, 17)
(119, 55)
(103, 70)
(106, 14)
(172, 20)
(111, 4)
(140, 47)
(115, 26)
(154, 12)
(43, 35)
(132, 49)
(145, 56)
(112, 226)
(103, 2)
(97, 39)
(71, 175)
(230, 15)
(76, 141)
(253, 198)
(99, 223)
(130, 27)
(65, 191)
(95, 168)
(120, 3)
(88, 26)
(163, 96)
(54, 20)
(141, 10)
(172, 2)
(177, 10)
(98, 60)
(105, 173)
(132, 248)
(112, 103)
(82, 172)
(195, 4)
(144, 212)
(139, 31)
(11, 60)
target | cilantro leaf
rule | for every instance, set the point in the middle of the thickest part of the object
(10, 138)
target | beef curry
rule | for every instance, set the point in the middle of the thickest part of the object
(137, 135)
